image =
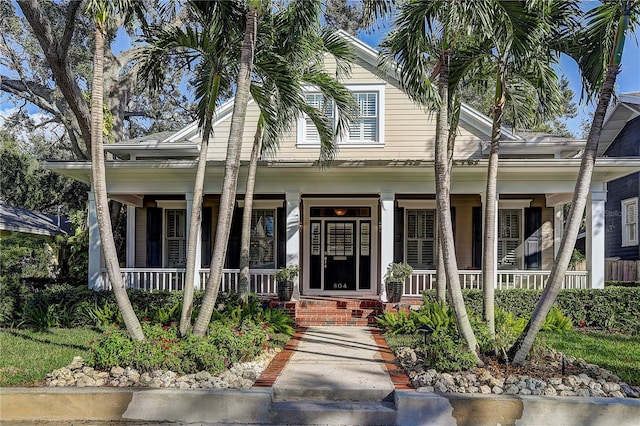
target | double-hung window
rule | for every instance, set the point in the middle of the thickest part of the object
(509, 238)
(421, 238)
(366, 127)
(630, 222)
(324, 105)
(176, 238)
(263, 241)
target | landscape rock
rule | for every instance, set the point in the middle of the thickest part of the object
(239, 376)
(588, 380)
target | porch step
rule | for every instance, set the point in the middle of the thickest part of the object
(318, 311)
(333, 412)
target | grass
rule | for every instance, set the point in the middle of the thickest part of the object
(26, 356)
(618, 353)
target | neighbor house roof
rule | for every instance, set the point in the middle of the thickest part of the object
(14, 219)
(627, 108)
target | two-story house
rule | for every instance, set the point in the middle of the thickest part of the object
(375, 205)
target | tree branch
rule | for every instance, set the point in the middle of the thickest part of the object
(69, 27)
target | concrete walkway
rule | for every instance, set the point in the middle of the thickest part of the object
(335, 363)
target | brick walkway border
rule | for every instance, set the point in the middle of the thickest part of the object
(398, 377)
(277, 364)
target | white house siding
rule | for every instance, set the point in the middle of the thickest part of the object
(409, 130)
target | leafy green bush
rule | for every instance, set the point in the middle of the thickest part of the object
(445, 353)
(556, 321)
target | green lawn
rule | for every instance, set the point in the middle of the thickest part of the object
(28, 356)
(618, 353)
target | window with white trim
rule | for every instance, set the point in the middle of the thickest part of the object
(630, 222)
(262, 249)
(367, 128)
(509, 238)
(176, 237)
(319, 101)
(421, 238)
(364, 128)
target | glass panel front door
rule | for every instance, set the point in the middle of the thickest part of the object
(339, 256)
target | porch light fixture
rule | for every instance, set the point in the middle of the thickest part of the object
(340, 211)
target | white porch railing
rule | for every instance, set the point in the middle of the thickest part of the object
(528, 280)
(261, 281)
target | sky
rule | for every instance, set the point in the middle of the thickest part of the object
(628, 80)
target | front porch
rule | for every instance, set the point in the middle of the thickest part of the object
(262, 281)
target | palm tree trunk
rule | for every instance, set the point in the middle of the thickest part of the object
(524, 343)
(441, 275)
(491, 211)
(232, 167)
(194, 228)
(445, 225)
(246, 214)
(100, 189)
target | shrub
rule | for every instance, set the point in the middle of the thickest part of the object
(444, 353)
(556, 321)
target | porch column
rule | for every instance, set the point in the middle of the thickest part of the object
(595, 237)
(387, 211)
(196, 277)
(131, 236)
(293, 237)
(95, 247)
(483, 201)
(558, 227)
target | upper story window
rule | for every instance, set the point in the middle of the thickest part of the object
(630, 222)
(367, 129)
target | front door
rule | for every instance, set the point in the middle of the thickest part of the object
(340, 256)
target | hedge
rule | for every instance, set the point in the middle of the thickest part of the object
(611, 308)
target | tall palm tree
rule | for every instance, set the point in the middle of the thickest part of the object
(513, 53)
(102, 10)
(232, 167)
(280, 72)
(210, 40)
(597, 49)
(417, 25)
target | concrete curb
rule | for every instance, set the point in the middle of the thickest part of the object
(254, 406)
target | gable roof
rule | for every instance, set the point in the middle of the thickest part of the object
(15, 219)
(184, 141)
(627, 108)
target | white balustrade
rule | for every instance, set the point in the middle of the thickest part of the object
(262, 281)
(422, 280)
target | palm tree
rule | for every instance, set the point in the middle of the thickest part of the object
(280, 70)
(408, 44)
(513, 53)
(597, 49)
(232, 167)
(102, 10)
(209, 39)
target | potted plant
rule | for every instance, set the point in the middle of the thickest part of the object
(284, 279)
(394, 279)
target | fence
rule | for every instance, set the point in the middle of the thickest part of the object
(622, 270)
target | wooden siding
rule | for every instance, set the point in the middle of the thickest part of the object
(409, 130)
(626, 144)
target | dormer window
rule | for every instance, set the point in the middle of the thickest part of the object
(367, 129)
